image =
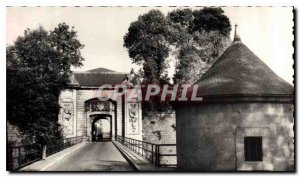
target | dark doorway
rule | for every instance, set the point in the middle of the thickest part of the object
(101, 129)
(253, 148)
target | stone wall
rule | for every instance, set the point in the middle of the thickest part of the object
(13, 134)
(161, 129)
(211, 136)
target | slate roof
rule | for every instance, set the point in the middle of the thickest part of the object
(97, 77)
(100, 70)
(240, 72)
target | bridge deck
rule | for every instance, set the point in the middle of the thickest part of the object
(98, 156)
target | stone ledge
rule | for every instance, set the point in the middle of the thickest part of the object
(139, 163)
(42, 165)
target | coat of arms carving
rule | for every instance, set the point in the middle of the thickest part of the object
(67, 117)
(133, 113)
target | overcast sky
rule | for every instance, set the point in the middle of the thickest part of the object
(267, 31)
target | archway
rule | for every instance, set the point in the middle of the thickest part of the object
(101, 128)
(96, 109)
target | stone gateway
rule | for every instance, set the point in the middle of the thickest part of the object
(81, 107)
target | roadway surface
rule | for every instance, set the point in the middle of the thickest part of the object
(97, 156)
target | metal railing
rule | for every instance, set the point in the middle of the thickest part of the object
(63, 144)
(20, 156)
(158, 154)
(23, 155)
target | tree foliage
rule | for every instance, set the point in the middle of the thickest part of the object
(147, 44)
(200, 37)
(38, 68)
(195, 37)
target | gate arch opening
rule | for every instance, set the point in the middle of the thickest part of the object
(101, 128)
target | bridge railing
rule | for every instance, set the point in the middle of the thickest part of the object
(161, 155)
(23, 155)
(63, 144)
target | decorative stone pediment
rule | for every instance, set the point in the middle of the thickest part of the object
(97, 105)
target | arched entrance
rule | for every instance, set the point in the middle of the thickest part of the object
(99, 116)
(101, 128)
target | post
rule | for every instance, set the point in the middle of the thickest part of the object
(152, 153)
(44, 152)
(123, 116)
(134, 145)
(157, 158)
(9, 165)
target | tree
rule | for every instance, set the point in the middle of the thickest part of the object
(38, 68)
(200, 37)
(196, 57)
(147, 45)
(211, 19)
(196, 38)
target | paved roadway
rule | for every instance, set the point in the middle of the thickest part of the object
(97, 156)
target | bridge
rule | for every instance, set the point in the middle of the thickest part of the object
(77, 154)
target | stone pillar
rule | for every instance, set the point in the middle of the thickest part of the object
(44, 152)
(133, 120)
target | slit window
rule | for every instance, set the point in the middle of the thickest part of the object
(253, 148)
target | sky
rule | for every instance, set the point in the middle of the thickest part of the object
(267, 31)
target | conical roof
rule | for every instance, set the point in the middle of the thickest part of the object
(240, 72)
